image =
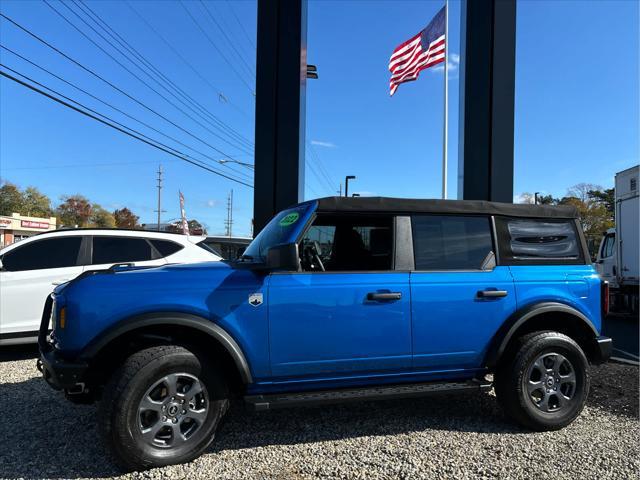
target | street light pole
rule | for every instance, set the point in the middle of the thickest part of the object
(346, 184)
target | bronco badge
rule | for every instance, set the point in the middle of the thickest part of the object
(255, 299)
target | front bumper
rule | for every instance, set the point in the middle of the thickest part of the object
(60, 373)
(604, 346)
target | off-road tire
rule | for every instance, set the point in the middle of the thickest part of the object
(119, 408)
(511, 382)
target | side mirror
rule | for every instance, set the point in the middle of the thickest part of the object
(283, 257)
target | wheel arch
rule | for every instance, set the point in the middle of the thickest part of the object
(543, 316)
(110, 348)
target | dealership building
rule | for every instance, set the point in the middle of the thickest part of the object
(17, 227)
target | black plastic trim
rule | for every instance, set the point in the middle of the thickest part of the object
(171, 318)
(505, 333)
(603, 350)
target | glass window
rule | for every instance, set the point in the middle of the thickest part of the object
(120, 249)
(166, 247)
(348, 244)
(450, 242)
(40, 254)
(542, 239)
(607, 248)
(284, 227)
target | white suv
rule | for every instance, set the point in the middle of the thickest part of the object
(31, 268)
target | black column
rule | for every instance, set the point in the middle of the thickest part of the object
(487, 72)
(280, 107)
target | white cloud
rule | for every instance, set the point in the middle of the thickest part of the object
(212, 203)
(323, 144)
(454, 63)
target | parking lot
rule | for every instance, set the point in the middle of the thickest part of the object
(438, 437)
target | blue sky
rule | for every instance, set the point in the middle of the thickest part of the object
(577, 84)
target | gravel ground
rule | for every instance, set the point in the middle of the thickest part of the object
(42, 435)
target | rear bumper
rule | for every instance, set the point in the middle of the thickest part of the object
(604, 346)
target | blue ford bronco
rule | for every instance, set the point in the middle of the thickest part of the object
(336, 299)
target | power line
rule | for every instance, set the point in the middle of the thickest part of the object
(111, 84)
(113, 124)
(231, 43)
(113, 107)
(216, 47)
(221, 95)
(125, 44)
(241, 26)
(141, 80)
(315, 157)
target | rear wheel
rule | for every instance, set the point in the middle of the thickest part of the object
(161, 407)
(544, 383)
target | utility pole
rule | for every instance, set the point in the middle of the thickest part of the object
(229, 222)
(340, 191)
(535, 198)
(159, 210)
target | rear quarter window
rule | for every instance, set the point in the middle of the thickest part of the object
(166, 247)
(539, 241)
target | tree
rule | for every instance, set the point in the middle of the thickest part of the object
(30, 202)
(591, 202)
(125, 218)
(36, 203)
(10, 199)
(101, 218)
(196, 228)
(607, 198)
(74, 211)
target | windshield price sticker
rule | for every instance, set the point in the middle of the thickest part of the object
(289, 219)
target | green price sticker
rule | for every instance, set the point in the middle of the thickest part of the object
(289, 219)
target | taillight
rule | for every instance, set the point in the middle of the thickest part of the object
(604, 297)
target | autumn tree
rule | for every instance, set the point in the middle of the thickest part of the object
(125, 218)
(36, 203)
(101, 218)
(74, 211)
(10, 199)
(30, 202)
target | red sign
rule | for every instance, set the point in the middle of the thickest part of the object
(4, 222)
(31, 224)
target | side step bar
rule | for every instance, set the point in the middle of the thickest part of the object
(286, 400)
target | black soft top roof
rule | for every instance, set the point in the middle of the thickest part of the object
(473, 207)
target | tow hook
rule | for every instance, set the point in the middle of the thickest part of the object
(77, 389)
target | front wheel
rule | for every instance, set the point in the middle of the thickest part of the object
(544, 384)
(161, 407)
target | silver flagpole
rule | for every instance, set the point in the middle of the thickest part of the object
(446, 100)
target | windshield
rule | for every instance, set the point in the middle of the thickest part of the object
(283, 228)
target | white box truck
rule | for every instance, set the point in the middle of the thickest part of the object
(618, 258)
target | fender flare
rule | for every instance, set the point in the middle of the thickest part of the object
(201, 324)
(505, 333)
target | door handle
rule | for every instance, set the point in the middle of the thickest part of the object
(60, 282)
(492, 293)
(383, 296)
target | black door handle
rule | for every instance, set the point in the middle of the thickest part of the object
(384, 296)
(492, 293)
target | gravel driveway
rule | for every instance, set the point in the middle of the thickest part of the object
(42, 435)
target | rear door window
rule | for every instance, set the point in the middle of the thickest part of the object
(533, 240)
(166, 247)
(41, 254)
(447, 242)
(120, 250)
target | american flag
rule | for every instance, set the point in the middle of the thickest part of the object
(421, 51)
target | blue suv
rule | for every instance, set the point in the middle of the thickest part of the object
(336, 299)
